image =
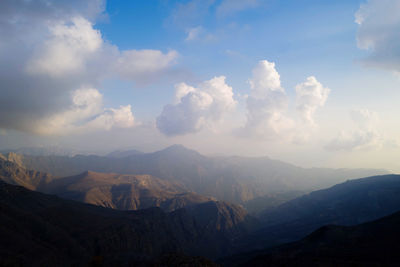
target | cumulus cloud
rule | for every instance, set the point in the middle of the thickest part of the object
(52, 50)
(365, 136)
(196, 107)
(310, 95)
(268, 112)
(86, 113)
(267, 103)
(67, 50)
(378, 32)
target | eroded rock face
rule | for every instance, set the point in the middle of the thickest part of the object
(13, 173)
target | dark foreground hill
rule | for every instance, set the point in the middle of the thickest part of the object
(45, 230)
(371, 244)
(232, 179)
(349, 203)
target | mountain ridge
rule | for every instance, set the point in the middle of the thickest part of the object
(232, 179)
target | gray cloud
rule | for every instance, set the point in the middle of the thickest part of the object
(378, 32)
(51, 51)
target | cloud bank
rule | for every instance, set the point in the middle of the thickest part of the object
(267, 107)
(51, 52)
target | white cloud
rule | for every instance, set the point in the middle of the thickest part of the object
(309, 96)
(378, 32)
(195, 108)
(67, 50)
(365, 136)
(267, 103)
(268, 106)
(85, 114)
(144, 65)
(51, 49)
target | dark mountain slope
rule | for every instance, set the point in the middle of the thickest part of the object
(371, 244)
(233, 179)
(349, 203)
(44, 230)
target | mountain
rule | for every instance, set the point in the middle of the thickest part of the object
(45, 230)
(370, 244)
(124, 153)
(13, 173)
(349, 203)
(45, 151)
(232, 179)
(124, 192)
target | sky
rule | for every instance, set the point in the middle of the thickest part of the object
(312, 82)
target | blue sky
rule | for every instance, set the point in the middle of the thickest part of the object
(312, 82)
(303, 37)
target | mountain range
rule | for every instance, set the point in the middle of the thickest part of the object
(349, 203)
(233, 179)
(124, 192)
(140, 218)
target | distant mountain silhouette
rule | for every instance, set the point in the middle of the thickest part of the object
(370, 244)
(349, 203)
(45, 230)
(233, 179)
